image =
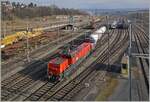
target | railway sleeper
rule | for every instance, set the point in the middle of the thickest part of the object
(68, 98)
(50, 93)
(35, 98)
(11, 90)
(67, 88)
(38, 94)
(5, 93)
(57, 96)
(48, 86)
(62, 92)
(44, 97)
(43, 91)
(5, 82)
(53, 99)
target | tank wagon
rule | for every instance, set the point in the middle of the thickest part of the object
(70, 56)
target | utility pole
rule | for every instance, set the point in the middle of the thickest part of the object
(4, 30)
(107, 18)
(53, 7)
(129, 61)
(27, 42)
(71, 22)
(58, 33)
(142, 18)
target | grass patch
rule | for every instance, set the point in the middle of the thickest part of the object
(107, 90)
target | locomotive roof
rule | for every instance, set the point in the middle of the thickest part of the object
(57, 60)
(71, 51)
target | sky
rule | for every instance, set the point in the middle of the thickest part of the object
(92, 4)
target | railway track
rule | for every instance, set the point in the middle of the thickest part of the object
(42, 91)
(144, 63)
(39, 53)
(69, 90)
(38, 94)
(144, 34)
(40, 47)
(23, 79)
(20, 81)
(48, 43)
(18, 88)
(102, 73)
(143, 44)
(12, 95)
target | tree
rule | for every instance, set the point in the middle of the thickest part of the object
(18, 5)
(14, 4)
(35, 5)
(30, 5)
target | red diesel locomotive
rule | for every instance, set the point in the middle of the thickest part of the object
(71, 56)
(60, 67)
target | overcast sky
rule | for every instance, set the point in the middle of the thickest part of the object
(101, 4)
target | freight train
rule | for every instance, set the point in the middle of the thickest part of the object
(119, 24)
(72, 55)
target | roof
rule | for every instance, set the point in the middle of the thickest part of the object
(72, 50)
(57, 60)
(124, 59)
